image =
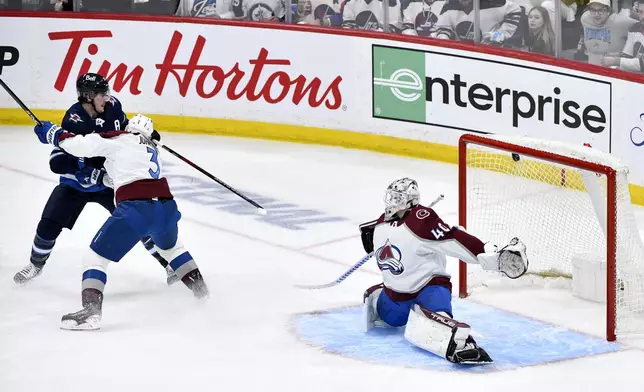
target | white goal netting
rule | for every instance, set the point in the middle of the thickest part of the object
(559, 212)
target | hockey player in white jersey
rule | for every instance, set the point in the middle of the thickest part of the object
(605, 32)
(420, 16)
(500, 20)
(144, 207)
(411, 243)
(369, 15)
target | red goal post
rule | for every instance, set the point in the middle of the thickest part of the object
(470, 141)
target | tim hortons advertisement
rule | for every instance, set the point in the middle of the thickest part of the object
(188, 70)
(489, 96)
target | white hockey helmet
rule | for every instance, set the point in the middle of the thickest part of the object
(401, 195)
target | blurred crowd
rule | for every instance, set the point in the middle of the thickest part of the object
(609, 33)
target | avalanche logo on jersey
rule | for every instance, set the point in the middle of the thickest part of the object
(75, 118)
(389, 258)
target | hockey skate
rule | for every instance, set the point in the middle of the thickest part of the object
(172, 277)
(28, 273)
(194, 281)
(471, 354)
(88, 318)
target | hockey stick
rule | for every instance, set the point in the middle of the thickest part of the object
(355, 267)
(261, 209)
(340, 279)
(19, 102)
(24, 107)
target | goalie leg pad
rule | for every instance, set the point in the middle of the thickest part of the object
(370, 315)
(443, 336)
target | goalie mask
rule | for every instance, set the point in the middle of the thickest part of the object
(401, 195)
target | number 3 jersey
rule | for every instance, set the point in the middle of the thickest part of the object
(411, 251)
(131, 160)
(77, 121)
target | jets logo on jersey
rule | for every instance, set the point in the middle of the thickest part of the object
(204, 9)
(100, 122)
(425, 22)
(366, 20)
(260, 12)
(389, 258)
(75, 118)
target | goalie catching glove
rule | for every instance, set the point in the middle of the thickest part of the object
(511, 260)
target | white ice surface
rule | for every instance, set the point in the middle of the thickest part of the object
(158, 338)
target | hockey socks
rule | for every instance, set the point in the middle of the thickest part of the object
(149, 245)
(186, 269)
(41, 250)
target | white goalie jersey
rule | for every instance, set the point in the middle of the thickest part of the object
(412, 251)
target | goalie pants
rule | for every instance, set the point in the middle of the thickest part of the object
(395, 313)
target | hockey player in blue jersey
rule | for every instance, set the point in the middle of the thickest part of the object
(145, 207)
(82, 180)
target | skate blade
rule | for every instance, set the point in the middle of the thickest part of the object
(91, 324)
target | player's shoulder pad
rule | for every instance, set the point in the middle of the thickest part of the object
(371, 224)
(422, 220)
(76, 120)
(115, 103)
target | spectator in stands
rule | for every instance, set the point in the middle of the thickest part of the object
(605, 32)
(500, 20)
(633, 52)
(257, 10)
(64, 5)
(198, 8)
(369, 15)
(419, 17)
(571, 30)
(541, 35)
(319, 12)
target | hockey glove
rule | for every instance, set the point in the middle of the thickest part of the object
(89, 176)
(48, 133)
(95, 162)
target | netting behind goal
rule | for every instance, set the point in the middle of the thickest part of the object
(535, 190)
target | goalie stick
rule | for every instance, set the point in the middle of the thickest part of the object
(261, 209)
(355, 267)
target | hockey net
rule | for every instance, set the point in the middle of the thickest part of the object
(564, 202)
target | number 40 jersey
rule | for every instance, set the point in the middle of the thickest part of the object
(412, 251)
